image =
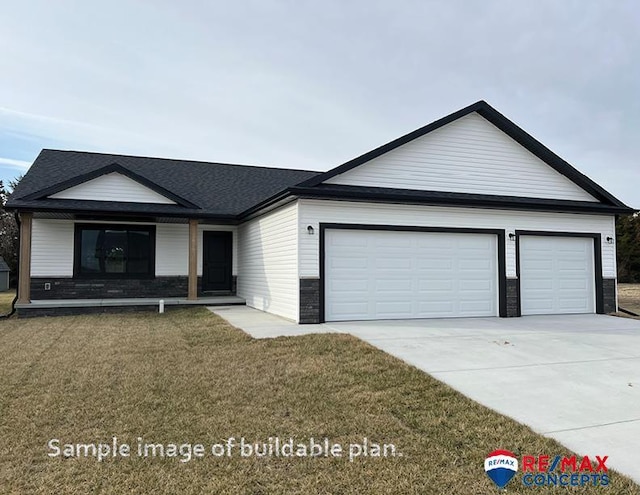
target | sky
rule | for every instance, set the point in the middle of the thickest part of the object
(312, 84)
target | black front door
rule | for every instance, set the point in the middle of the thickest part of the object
(216, 261)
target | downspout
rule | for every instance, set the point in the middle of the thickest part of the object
(13, 303)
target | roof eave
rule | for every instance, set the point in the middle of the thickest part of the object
(34, 207)
(516, 203)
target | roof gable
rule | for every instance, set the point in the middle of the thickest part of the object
(481, 108)
(468, 155)
(112, 183)
(113, 187)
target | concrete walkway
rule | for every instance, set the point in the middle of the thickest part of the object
(575, 378)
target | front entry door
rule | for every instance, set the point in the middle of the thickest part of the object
(216, 261)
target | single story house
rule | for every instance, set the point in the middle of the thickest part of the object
(468, 216)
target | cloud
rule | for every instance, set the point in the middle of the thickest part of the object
(20, 164)
(310, 85)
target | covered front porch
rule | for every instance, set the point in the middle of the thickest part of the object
(71, 264)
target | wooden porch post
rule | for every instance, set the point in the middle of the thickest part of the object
(24, 269)
(193, 259)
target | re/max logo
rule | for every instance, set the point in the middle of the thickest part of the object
(544, 463)
(502, 462)
(564, 471)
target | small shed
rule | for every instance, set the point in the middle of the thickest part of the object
(4, 275)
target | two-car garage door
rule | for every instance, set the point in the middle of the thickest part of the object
(387, 274)
(372, 274)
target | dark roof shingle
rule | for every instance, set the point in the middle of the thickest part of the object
(218, 189)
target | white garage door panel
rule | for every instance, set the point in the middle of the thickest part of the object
(394, 275)
(556, 275)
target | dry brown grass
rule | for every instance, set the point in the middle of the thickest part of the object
(5, 301)
(187, 376)
(629, 297)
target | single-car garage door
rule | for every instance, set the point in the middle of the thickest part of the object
(556, 275)
(372, 274)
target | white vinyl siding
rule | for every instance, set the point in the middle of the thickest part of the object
(610, 253)
(113, 187)
(51, 248)
(373, 274)
(172, 249)
(469, 155)
(556, 275)
(313, 212)
(268, 262)
(613, 261)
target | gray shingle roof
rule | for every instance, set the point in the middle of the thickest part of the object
(223, 191)
(218, 189)
(3, 265)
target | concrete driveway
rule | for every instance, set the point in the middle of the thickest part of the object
(575, 378)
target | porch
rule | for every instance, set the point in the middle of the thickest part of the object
(60, 307)
(70, 265)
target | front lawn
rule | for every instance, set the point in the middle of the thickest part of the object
(188, 377)
(629, 297)
(6, 298)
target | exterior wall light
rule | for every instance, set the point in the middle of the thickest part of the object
(512, 236)
(310, 229)
(609, 240)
